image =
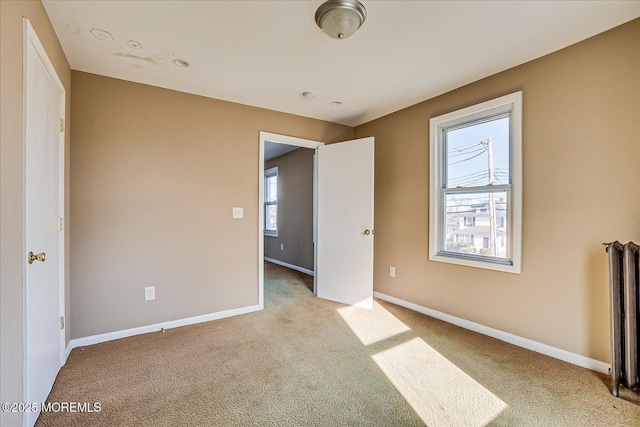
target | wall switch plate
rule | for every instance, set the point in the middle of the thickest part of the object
(282, 246)
(392, 271)
(238, 212)
(149, 293)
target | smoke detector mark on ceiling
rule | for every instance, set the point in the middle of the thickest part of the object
(161, 57)
(134, 44)
(69, 27)
(102, 35)
(129, 55)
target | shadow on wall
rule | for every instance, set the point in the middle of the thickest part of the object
(597, 300)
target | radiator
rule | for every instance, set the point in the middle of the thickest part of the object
(625, 314)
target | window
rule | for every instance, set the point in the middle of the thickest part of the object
(476, 181)
(271, 202)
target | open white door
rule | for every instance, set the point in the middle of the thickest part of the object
(344, 254)
(44, 141)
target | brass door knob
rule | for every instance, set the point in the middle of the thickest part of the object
(366, 232)
(39, 257)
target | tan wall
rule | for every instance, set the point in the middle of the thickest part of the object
(295, 209)
(11, 45)
(155, 175)
(581, 177)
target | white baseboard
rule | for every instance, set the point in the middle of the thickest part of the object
(557, 353)
(291, 266)
(67, 352)
(109, 336)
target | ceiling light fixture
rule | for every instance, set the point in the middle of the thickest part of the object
(340, 18)
(336, 103)
(309, 95)
(181, 63)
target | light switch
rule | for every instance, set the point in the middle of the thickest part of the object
(392, 271)
(149, 293)
(238, 212)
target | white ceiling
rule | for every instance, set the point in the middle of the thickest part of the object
(266, 53)
(273, 150)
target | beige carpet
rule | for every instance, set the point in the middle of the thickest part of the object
(303, 361)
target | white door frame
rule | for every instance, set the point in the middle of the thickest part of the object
(30, 36)
(288, 140)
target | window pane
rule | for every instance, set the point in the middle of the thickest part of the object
(271, 217)
(272, 189)
(474, 150)
(477, 223)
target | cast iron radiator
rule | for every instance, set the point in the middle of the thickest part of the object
(625, 314)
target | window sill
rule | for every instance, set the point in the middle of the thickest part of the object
(506, 268)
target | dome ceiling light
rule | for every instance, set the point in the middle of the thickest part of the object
(340, 18)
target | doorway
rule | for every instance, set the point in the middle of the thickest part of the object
(343, 218)
(283, 144)
(288, 207)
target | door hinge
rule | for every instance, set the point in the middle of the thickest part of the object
(61, 224)
(61, 125)
(61, 322)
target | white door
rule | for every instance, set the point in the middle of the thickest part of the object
(44, 108)
(344, 263)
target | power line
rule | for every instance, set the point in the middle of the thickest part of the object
(460, 152)
(466, 180)
(464, 160)
(466, 147)
(476, 177)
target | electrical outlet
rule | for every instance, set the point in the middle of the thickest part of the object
(149, 293)
(238, 212)
(282, 246)
(392, 271)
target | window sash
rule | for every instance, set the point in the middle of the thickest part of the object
(484, 117)
(442, 217)
(267, 189)
(267, 227)
(497, 114)
(268, 202)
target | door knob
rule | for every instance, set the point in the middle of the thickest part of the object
(366, 232)
(40, 257)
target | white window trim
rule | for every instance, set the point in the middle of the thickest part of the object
(513, 104)
(269, 173)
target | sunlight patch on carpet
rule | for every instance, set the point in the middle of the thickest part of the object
(438, 391)
(372, 326)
